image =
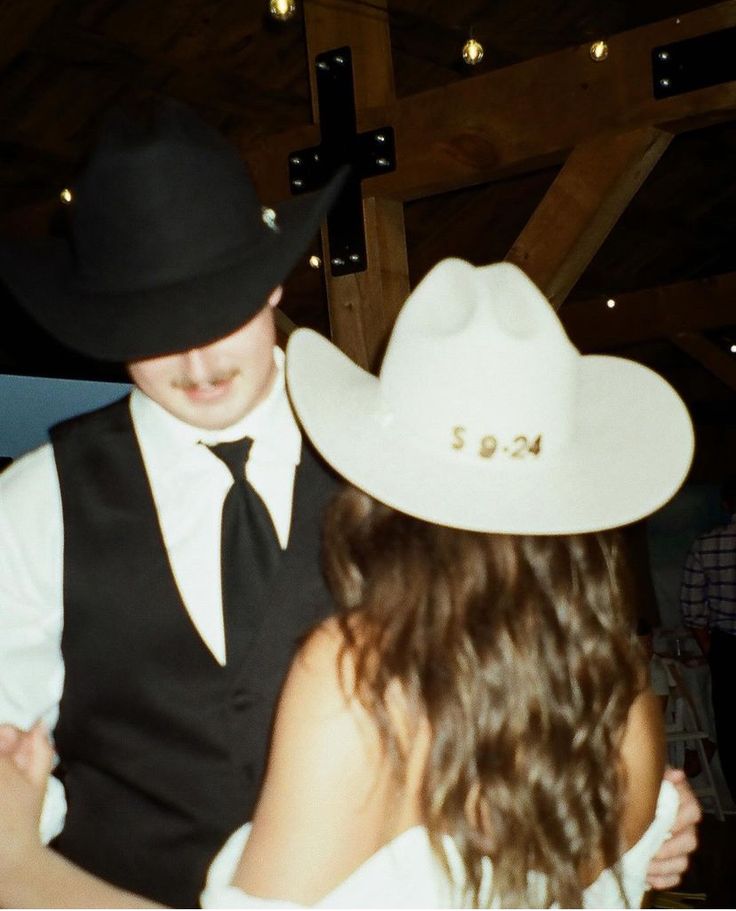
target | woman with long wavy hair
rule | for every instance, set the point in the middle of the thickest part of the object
(475, 723)
(473, 727)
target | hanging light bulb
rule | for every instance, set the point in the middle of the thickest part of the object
(66, 196)
(472, 52)
(598, 51)
(315, 262)
(282, 10)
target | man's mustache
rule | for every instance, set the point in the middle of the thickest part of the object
(186, 383)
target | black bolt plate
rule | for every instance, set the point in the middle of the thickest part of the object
(368, 154)
(694, 63)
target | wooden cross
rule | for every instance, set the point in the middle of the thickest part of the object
(366, 154)
(363, 306)
(599, 120)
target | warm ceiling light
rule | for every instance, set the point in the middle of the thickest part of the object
(282, 9)
(472, 52)
(610, 303)
(315, 262)
(733, 349)
(598, 50)
(66, 195)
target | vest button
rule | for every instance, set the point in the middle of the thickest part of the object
(242, 699)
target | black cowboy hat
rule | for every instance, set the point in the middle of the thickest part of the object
(170, 246)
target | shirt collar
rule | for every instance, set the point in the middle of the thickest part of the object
(271, 425)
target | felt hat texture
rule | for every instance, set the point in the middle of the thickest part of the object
(486, 417)
(169, 248)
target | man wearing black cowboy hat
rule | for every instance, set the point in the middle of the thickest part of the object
(157, 676)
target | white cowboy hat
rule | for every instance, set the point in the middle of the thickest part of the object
(486, 417)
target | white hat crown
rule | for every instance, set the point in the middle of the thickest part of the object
(479, 367)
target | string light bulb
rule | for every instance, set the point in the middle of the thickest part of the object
(610, 303)
(598, 51)
(472, 52)
(315, 262)
(283, 10)
(66, 196)
(733, 349)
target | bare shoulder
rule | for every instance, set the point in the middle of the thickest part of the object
(318, 713)
(322, 671)
(327, 793)
(322, 647)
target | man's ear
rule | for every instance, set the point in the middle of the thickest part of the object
(274, 298)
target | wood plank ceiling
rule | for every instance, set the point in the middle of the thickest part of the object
(63, 63)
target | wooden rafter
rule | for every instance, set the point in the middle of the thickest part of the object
(654, 313)
(713, 358)
(587, 197)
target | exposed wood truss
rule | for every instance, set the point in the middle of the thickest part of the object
(600, 119)
(653, 313)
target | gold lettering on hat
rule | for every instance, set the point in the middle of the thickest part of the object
(520, 446)
(488, 446)
(459, 440)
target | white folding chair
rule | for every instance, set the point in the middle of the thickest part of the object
(685, 727)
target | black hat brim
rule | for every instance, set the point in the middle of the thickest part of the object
(167, 319)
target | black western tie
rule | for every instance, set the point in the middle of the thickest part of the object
(250, 550)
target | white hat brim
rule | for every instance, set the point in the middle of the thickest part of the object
(631, 450)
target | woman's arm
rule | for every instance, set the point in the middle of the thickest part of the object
(31, 875)
(329, 800)
(642, 765)
(643, 762)
(643, 753)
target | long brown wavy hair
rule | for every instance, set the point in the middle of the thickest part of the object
(520, 653)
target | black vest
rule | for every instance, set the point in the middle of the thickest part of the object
(162, 749)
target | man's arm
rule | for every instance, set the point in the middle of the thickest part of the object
(667, 866)
(31, 875)
(31, 545)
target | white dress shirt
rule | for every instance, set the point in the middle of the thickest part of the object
(189, 485)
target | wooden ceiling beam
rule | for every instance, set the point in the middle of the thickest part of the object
(363, 306)
(585, 200)
(19, 20)
(654, 313)
(522, 117)
(713, 358)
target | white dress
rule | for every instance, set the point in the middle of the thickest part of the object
(405, 873)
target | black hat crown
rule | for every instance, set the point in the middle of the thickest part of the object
(170, 247)
(157, 207)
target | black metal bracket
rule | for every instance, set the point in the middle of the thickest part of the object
(694, 63)
(368, 154)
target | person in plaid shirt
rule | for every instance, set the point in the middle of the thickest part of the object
(708, 601)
